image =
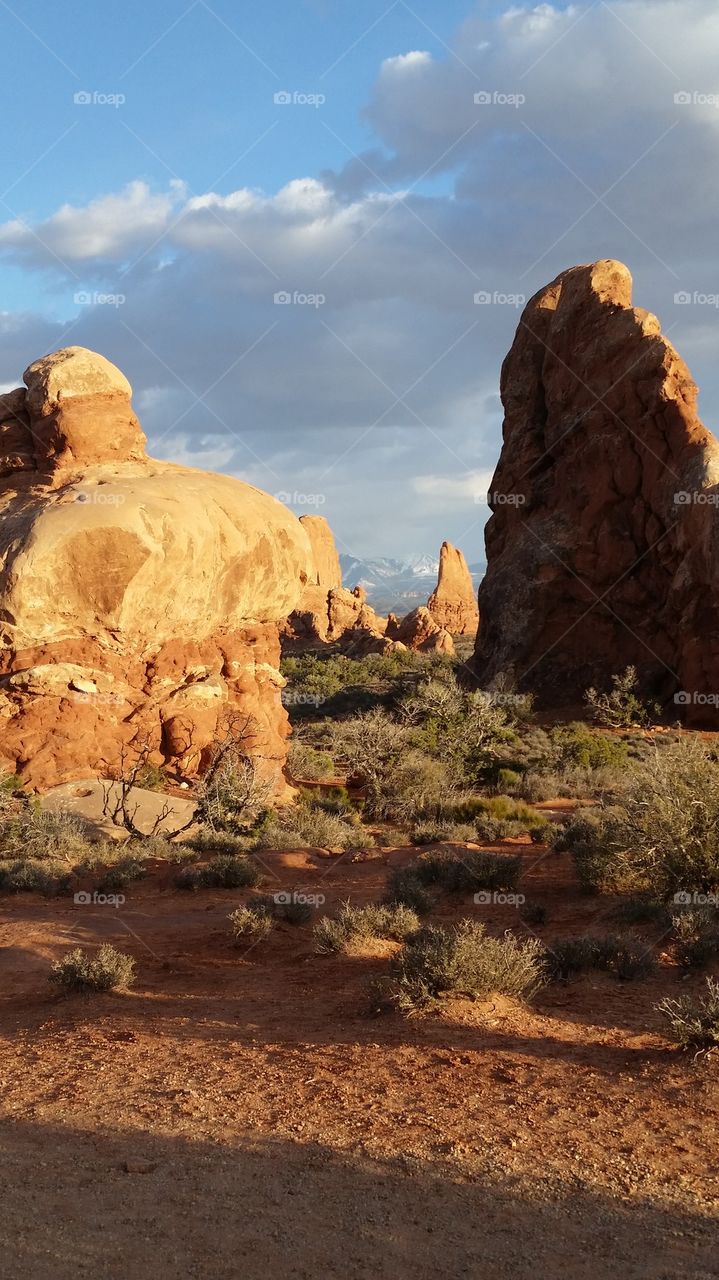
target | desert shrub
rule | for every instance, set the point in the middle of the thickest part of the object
(335, 800)
(574, 744)
(625, 956)
(299, 827)
(535, 787)
(306, 761)
(585, 836)
(251, 925)
(151, 777)
(463, 960)
(27, 875)
(435, 831)
(696, 936)
(405, 888)
(106, 970)
(462, 728)
(223, 872)
(121, 874)
(622, 706)
(399, 780)
(468, 871)
(231, 796)
(693, 1023)
(54, 835)
(660, 836)
(641, 909)
(533, 913)
(354, 925)
(208, 841)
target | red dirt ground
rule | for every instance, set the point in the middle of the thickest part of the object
(239, 1112)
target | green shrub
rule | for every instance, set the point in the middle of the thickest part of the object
(460, 727)
(694, 1023)
(438, 962)
(468, 871)
(405, 888)
(585, 836)
(355, 925)
(575, 745)
(298, 827)
(436, 832)
(624, 956)
(507, 779)
(44, 834)
(26, 875)
(208, 841)
(121, 875)
(336, 800)
(251, 925)
(622, 706)
(223, 872)
(306, 761)
(640, 909)
(151, 777)
(106, 970)
(696, 934)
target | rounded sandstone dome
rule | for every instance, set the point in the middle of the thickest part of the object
(73, 371)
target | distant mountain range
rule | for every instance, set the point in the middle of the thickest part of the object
(397, 586)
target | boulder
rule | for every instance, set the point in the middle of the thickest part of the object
(140, 601)
(419, 631)
(453, 603)
(603, 545)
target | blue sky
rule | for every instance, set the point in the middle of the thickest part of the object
(390, 198)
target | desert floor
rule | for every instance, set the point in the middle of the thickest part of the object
(242, 1112)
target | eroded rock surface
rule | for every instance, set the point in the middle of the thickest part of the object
(603, 546)
(140, 601)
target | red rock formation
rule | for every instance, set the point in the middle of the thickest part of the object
(419, 631)
(327, 611)
(453, 603)
(594, 562)
(140, 601)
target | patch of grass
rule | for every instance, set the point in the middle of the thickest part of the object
(463, 960)
(354, 925)
(693, 1023)
(105, 970)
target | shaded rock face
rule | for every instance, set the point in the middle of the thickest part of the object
(140, 602)
(603, 546)
(419, 631)
(453, 604)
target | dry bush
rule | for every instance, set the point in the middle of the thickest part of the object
(106, 970)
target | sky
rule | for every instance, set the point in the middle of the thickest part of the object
(305, 230)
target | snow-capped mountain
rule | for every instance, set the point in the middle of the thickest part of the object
(396, 586)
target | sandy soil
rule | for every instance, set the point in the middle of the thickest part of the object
(240, 1112)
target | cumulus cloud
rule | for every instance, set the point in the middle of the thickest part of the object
(560, 135)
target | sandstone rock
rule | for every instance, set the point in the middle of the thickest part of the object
(159, 586)
(594, 563)
(453, 604)
(327, 572)
(419, 631)
(327, 611)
